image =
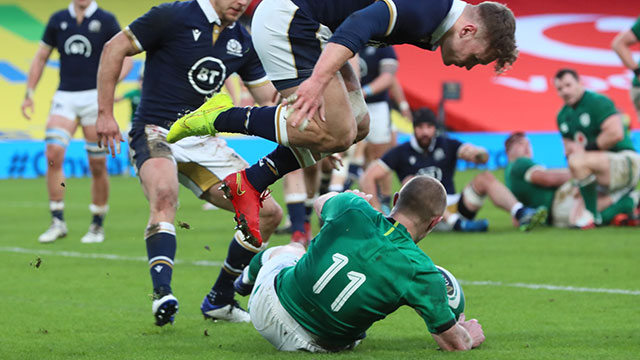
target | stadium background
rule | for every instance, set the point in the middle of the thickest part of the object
(569, 33)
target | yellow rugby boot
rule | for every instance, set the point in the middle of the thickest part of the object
(200, 121)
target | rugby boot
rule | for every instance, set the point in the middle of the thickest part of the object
(247, 202)
(200, 121)
(231, 312)
(531, 218)
(164, 308)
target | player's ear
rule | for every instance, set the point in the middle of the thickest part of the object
(395, 199)
(468, 29)
(434, 221)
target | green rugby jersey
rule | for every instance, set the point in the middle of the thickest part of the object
(581, 123)
(360, 268)
(636, 31)
(528, 193)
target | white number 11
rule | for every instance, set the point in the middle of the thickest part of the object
(356, 280)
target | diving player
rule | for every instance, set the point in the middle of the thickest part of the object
(191, 48)
(304, 46)
(360, 268)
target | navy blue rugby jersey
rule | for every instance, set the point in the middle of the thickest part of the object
(79, 45)
(371, 62)
(188, 58)
(384, 22)
(439, 160)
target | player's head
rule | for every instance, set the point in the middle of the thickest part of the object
(483, 34)
(422, 200)
(568, 86)
(517, 145)
(230, 11)
(424, 126)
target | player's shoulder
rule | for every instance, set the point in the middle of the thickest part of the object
(105, 14)
(60, 15)
(594, 98)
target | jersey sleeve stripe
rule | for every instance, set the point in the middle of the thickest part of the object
(529, 173)
(133, 39)
(256, 83)
(44, 44)
(393, 15)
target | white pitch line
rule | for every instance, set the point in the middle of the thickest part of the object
(75, 254)
(552, 287)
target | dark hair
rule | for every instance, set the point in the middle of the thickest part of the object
(424, 115)
(562, 72)
(500, 29)
(513, 138)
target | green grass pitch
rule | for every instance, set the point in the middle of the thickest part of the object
(548, 294)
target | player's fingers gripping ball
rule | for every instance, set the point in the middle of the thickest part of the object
(288, 103)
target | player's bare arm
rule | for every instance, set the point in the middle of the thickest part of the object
(611, 132)
(264, 95)
(383, 82)
(35, 72)
(621, 44)
(549, 178)
(309, 94)
(464, 335)
(374, 173)
(111, 63)
(474, 154)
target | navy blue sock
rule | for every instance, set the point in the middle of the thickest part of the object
(297, 216)
(258, 121)
(58, 214)
(271, 168)
(97, 219)
(238, 257)
(161, 250)
(308, 210)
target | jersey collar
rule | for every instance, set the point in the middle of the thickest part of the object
(454, 13)
(414, 144)
(209, 12)
(87, 13)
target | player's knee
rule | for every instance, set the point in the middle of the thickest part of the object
(271, 214)
(165, 198)
(363, 128)
(484, 178)
(98, 167)
(338, 142)
(55, 155)
(576, 161)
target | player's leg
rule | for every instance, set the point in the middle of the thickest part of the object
(590, 169)
(312, 184)
(202, 163)
(59, 129)
(295, 195)
(99, 185)
(485, 184)
(157, 172)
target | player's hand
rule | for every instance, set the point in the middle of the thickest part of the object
(367, 197)
(474, 329)
(335, 160)
(306, 102)
(108, 134)
(27, 103)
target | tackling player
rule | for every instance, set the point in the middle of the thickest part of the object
(78, 33)
(191, 48)
(437, 156)
(304, 48)
(360, 268)
(596, 142)
(535, 186)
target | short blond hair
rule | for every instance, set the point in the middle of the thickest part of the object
(500, 30)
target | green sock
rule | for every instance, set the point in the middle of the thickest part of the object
(622, 206)
(589, 194)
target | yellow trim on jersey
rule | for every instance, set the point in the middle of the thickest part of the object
(160, 262)
(197, 173)
(255, 85)
(392, 229)
(393, 15)
(215, 33)
(132, 39)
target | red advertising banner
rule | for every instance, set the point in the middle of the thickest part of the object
(550, 35)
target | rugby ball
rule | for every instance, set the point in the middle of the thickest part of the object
(454, 292)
